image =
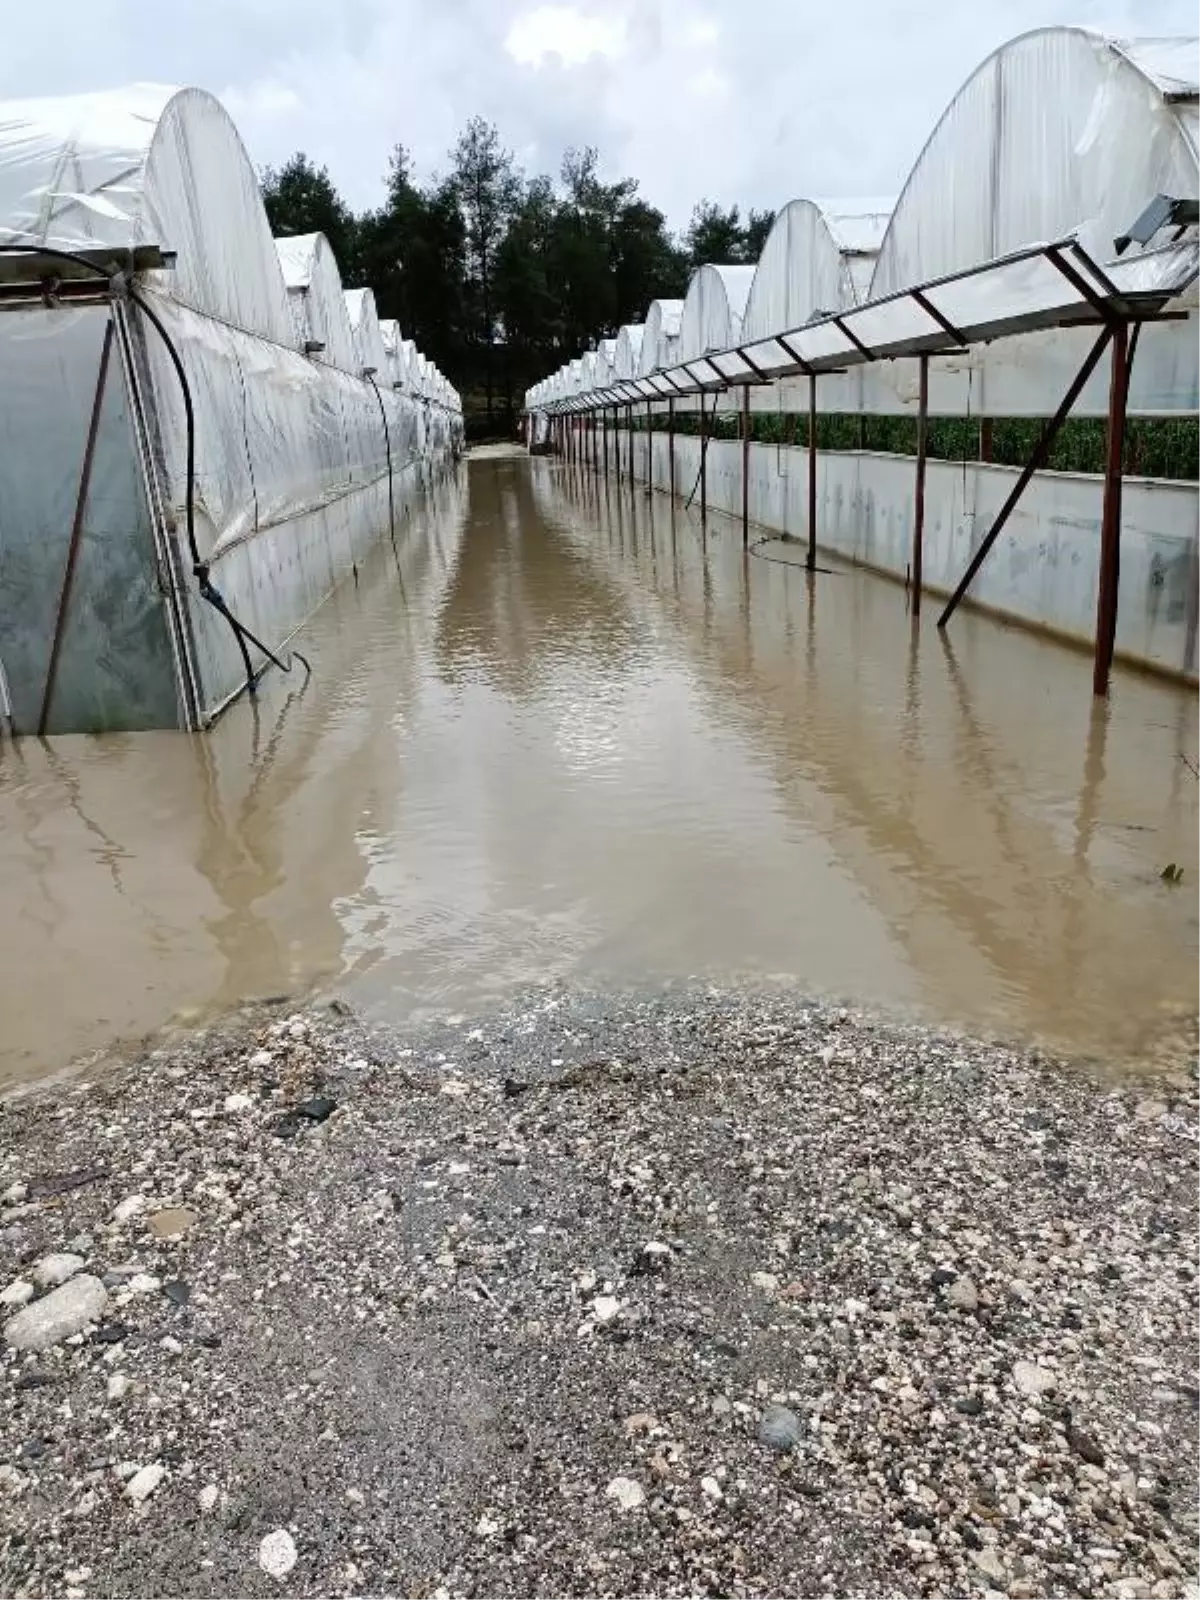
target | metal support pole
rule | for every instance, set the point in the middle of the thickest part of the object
(745, 465)
(85, 478)
(629, 425)
(704, 461)
(918, 545)
(649, 446)
(617, 442)
(985, 439)
(671, 444)
(1041, 453)
(811, 562)
(1110, 521)
(604, 441)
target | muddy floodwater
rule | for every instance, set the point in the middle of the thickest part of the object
(575, 737)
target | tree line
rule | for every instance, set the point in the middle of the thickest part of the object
(500, 277)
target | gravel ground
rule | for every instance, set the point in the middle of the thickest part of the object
(710, 1293)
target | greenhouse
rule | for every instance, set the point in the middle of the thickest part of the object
(1040, 263)
(192, 456)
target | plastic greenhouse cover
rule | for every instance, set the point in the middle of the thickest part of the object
(369, 349)
(147, 165)
(1059, 128)
(314, 287)
(629, 349)
(804, 268)
(713, 309)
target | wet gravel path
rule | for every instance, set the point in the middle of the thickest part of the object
(711, 1293)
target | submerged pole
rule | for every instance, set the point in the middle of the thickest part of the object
(811, 562)
(649, 446)
(1037, 460)
(745, 464)
(918, 545)
(703, 461)
(671, 445)
(1110, 519)
(629, 425)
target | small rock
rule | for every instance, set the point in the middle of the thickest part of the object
(277, 1553)
(969, 1404)
(260, 1059)
(235, 1103)
(766, 1281)
(780, 1429)
(487, 1526)
(144, 1482)
(1085, 1447)
(173, 1222)
(177, 1292)
(171, 1345)
(711, 1488)
(990, 1564)
(208, 1497)
(963, 1294)
(605, 1307)
(119, 1386)
(651, 1259)
(141, 1283)
(54, 1270)
(317, 1109)
(132, 1206)
(19, 1293)
(63, 1312)
(16, 1193)
(627, 1492)
(640, 1422)
(1033, 1380)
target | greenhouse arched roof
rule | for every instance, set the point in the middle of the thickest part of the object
(147, 165)
(815, 260)
(713, 309)
(660, 342)
(1058, 129)
(314, 286)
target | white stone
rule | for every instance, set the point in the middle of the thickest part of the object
(119, 1386)
(963, 1294)
(711, 1488)
(133, 1205)
(261, 1058)
(277, 1553)
(239, 1102)
(170, 1344)
(144, 1482)
(19, 1293)
(605, 1307)
(16, 1193)
(1031, 1379)
(627, 1492)
(54, 1270)
(766, 1281)
(142, 1283)
(56, 1316)
(486, 1526)
(208, 1497)
(990, 1564)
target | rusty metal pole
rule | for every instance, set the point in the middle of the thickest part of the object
(1038, 459)
(632, 463)
(811, 562)
(617, 442)
(985, 439)
(746, 464)
(918, 545)
(671, 445)
(649, 446)
(704, 461)
(1110, 520)
(85, 479)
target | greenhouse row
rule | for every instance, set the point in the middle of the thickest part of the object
(201, 431)
(1053, 206)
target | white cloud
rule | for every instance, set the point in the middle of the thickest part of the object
(572, 35)
(752, 106)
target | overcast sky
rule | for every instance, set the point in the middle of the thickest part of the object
(754, 101)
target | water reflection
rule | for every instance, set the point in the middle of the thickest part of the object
(571, 731)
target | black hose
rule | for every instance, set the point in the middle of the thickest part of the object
(387, 440)
(200, 568)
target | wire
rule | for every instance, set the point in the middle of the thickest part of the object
(778, 561)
